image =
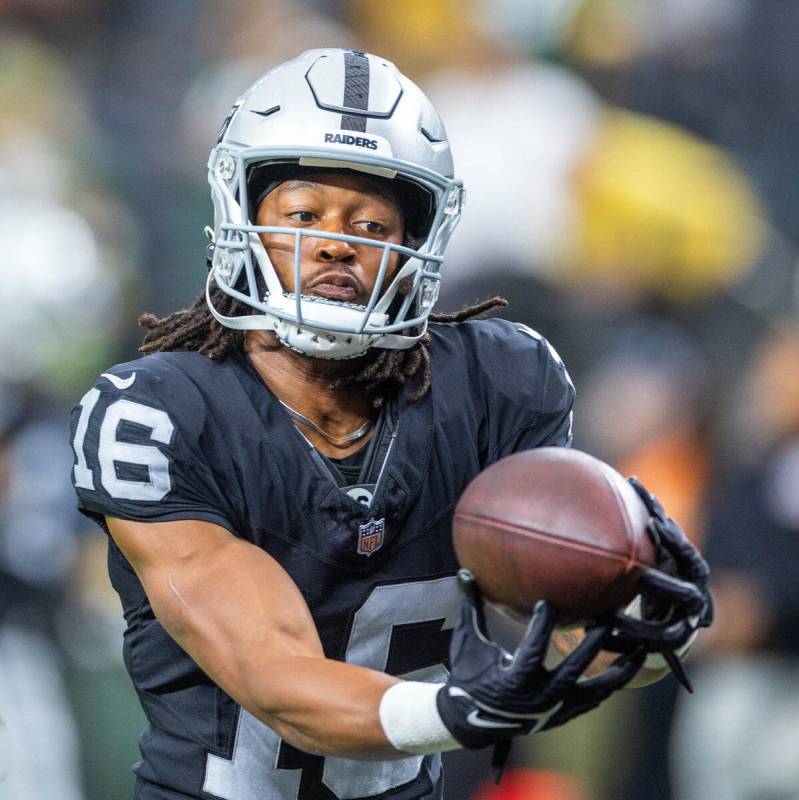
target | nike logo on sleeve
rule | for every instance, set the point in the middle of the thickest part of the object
(120, 383)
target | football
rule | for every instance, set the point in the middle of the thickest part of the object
(554, 524)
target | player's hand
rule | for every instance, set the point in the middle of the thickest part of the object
(676, 600)
(493, 695)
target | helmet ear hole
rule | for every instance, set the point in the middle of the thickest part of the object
(418, 205)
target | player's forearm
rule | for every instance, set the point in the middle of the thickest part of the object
(316, 704)
(249, 629)
(277, 672)
(325, 707)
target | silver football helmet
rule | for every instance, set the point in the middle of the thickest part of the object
(332, 109)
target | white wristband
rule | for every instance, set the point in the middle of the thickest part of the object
(410, 719)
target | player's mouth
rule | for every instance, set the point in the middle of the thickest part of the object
(336, 286)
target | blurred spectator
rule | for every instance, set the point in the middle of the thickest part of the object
(536, 121)
(725, 69)
(661, 210)
(562, 188)
(652, 376)
(739, 739)
(64, 236)
(38, 739)
(69, 244)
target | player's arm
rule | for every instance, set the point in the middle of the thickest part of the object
(243, 620)
(240, 616)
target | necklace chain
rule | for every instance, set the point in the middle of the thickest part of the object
(359, 433)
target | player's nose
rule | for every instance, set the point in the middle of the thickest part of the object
(334, 250)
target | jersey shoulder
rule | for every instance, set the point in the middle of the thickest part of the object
(509, 356)
(514, 372)
(169, 377)
(186, 385)
(144, 439)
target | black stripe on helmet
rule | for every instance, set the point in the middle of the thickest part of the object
(356, 89)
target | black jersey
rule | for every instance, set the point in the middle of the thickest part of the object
(177, 436)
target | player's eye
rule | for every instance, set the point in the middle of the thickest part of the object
(370, 226)
(302, 216)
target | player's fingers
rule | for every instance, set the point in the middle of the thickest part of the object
(670, 537)
(533, 647)
(673, 590)
(467, 583)
(653, 505)
(706, 619)
(474, 598)
(690, 562)
(616, 676)
(654, 636)
(469, 644)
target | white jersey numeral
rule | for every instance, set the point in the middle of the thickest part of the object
(370, 639)
(112, 452)
(253, 771)
(83, 475)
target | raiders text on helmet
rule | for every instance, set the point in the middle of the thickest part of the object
(346, 138)
(333, 109)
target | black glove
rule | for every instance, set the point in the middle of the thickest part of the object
(493, 695)
(676, 599)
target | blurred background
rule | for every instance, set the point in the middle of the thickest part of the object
(632, 169)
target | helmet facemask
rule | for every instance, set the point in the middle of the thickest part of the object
(397, 310)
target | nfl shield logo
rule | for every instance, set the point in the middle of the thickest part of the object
(370, 536)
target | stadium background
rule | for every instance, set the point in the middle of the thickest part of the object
(632, 172)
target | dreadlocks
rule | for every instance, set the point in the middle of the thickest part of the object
(194, 328)
(381, 376)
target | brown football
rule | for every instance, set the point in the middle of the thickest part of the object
(554, 524)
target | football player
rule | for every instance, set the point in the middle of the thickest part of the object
(278, 472)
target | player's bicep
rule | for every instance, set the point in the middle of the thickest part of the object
(231, 606)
